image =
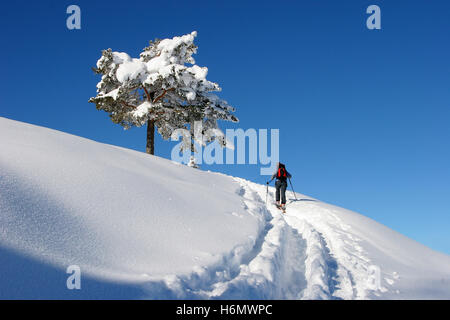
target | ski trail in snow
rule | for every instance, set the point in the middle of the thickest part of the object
(271, 269)
(354, 268)
(319, 266)
(335, 264)
(307, 253)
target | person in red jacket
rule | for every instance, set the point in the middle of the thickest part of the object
(281, 174)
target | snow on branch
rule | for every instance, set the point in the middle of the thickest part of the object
(159, 86)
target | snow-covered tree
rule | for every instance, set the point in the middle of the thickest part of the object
(160, 89)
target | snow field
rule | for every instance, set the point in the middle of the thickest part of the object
(146, 227)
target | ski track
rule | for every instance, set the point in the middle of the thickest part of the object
(306, 253)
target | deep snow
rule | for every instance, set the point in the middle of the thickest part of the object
(140, 226)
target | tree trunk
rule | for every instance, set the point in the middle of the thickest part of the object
(150, 137)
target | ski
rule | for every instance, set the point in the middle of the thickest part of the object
(283, 209)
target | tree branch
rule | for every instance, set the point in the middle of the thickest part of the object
(147, 94)
(162, 95)
(127, 105)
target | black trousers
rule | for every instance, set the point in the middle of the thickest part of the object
(281, 186)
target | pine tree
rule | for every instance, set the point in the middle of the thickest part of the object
(160, 89)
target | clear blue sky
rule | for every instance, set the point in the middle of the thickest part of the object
(364, 116)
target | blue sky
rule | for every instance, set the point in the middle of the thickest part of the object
(363, 114)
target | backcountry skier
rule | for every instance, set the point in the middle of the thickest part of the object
(281, 174)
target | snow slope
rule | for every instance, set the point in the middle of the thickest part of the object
(145, 227)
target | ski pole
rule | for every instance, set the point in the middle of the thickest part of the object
(267, 191)
(292, 188)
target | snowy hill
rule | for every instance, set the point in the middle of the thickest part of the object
(140, 226)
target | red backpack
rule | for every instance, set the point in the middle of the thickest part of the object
(281, 174)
